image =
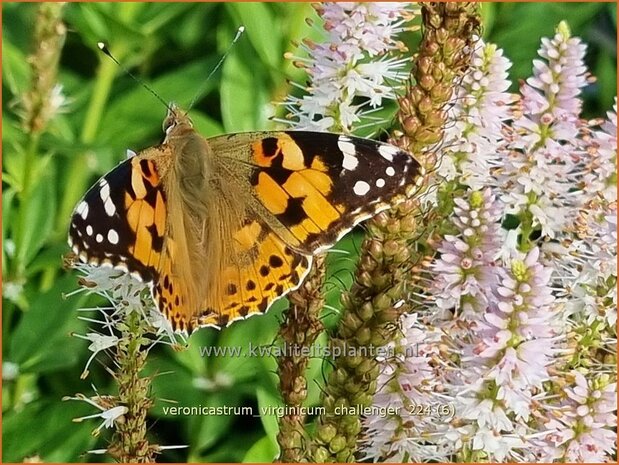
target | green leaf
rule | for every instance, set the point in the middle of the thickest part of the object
(135, 116)
(37, 211)
(96, 22)
(206, 430)
(173, 384)
(606, 72)
(48, 258)
(8, 197)
(206, 125)
(521, 39)
(268, 403)
(261, 30)
(341, 265)
(165, 15)
(243, 95)
(238, 362)
(15, 69)
(41, 341)
(263, 451)
(45, 429)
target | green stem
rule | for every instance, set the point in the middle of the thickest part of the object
(19, 263)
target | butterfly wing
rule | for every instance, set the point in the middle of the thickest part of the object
(261, 270)
(302, 191)
(299, 193)
(121, 220)
(311, 188)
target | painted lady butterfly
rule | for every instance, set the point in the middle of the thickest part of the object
(222, 227)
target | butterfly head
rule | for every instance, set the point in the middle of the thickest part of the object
(176, 121)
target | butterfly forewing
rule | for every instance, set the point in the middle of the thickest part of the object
(120, 221)
(314, 187)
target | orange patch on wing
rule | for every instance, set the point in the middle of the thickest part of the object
(317, 164)
(247, 236)
(319, 180)
(143, 240)
(320, 211)
(134, 214)
(271, 194)
(160, 214)
(293, 155)
(167, 293)
(258, 154)
(304, 228)
(137, 180)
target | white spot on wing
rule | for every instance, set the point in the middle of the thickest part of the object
(104, 193)
(388, 151)
(89, 230)
(390, 171)
(380, 182)
(99, 238)
(112, 236)
(361, 188)
(109, 206)
(82, 209)
(350, 161)
(122, 267)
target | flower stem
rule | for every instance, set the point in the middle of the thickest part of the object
(300, 329)
(129, 442)
(38, 109)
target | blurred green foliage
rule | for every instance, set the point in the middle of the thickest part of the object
(173, 47)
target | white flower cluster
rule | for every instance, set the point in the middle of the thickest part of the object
(351, 70)
(524, 273)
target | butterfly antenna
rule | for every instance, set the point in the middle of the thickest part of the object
(239, 32)
(105, 50)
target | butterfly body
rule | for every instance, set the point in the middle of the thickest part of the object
(222, 227)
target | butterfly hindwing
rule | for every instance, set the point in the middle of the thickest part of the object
(314, 187)
(120, 222)
(264, 269)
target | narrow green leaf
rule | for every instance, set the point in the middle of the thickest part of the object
(41, 341)
(263, 451)
(261, 29)
(15, 69)
(268, 403)
(38, 208)
(45, 429)
(8, 197)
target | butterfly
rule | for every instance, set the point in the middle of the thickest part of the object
(222, 227)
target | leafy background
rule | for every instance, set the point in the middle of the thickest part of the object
(173, 47)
